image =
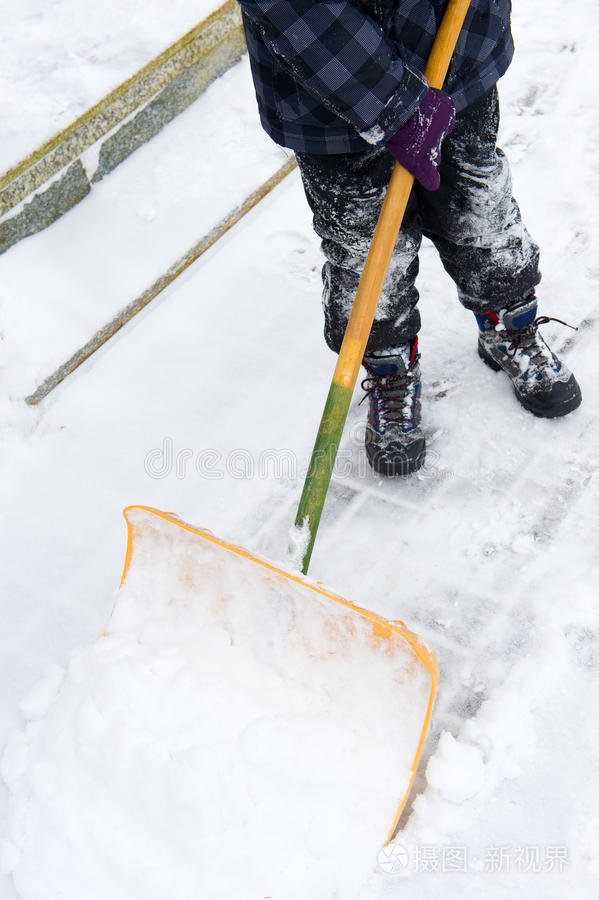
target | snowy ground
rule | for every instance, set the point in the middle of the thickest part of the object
(490, 554)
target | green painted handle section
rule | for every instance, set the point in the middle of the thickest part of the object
(321, 464)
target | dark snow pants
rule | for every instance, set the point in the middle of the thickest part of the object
(473, 221)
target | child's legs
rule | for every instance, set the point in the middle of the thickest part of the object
(473, 219)
(345, 193)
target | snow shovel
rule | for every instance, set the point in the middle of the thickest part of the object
(364, 685)
(321, 648)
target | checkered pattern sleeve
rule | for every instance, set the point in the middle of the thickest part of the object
(341, 56)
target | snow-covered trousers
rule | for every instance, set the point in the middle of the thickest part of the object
(473, 221)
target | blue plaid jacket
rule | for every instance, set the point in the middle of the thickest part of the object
(333, 76)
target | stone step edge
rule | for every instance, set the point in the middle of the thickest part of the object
(177, 268)
(142, 105)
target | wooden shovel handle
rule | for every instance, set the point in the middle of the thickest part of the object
(392, 213)
(445, 42)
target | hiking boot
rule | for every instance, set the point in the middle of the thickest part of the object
(394, 440)
(510, 340)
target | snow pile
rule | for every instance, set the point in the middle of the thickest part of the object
(456, 770)
(234, 732)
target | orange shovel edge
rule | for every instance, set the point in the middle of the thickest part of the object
(382, 629)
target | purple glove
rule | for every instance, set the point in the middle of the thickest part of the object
(417, 146)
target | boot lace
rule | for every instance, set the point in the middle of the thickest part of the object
(393, 396)
(526, 338)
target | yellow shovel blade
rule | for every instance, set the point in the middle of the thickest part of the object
(321, 661)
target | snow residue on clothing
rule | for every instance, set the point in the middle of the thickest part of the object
(230, 721)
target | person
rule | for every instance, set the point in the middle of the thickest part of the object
(341, 83)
